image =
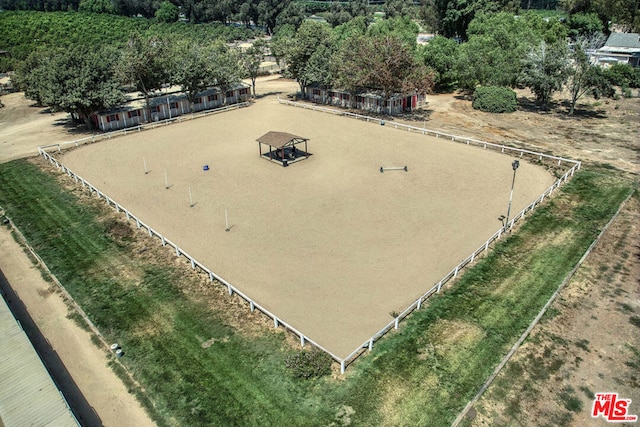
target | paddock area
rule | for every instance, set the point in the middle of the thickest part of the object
(331, 245)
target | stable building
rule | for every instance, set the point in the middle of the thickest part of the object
(166, 107)
(372, 101)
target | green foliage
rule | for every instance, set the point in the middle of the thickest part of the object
(309, 364)
(81, 81)
(493, 99)
(400, 27)
(585, 77)
(623, 75)
(96, 6)
(545, 70)
(167, 12)
(24, 32)
(196, 66)
(498, 43)
(584, 25)
(441, 54)
(625, 13)
(454, 17)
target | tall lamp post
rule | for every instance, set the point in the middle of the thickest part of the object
(514, 165)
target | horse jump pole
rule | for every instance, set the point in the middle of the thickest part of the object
(394, 168)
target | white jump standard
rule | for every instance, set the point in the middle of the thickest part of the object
(394, 168)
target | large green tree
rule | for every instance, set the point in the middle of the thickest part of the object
(145, 64)
(31, 75)
(309, 37)
(80, 81)
(441, 54)
(167, 12)
(395, 70)
(251, 59)
(545, 70)
(498, 43)
(192, 67)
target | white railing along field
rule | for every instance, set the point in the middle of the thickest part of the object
(213, 277)
(144, 126)
(394, 324)
(485, 246)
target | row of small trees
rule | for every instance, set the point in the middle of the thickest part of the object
(84, 80)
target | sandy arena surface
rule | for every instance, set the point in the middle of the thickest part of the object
(329, 244)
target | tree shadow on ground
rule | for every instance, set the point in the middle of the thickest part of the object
(582, 111)
(264, 95)
(72, 126)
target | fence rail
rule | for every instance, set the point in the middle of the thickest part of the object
(394, 324)
(138, 128)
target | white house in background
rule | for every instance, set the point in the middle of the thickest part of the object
(366, 101)
(620, 48)
(166, 106)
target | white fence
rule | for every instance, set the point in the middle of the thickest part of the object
(141, 127)
(179, 252)
(394, 324)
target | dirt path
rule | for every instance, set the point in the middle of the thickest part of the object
(85, 362)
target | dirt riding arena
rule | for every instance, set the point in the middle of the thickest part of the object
(329, 244)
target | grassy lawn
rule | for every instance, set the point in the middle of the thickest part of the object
(422, 375)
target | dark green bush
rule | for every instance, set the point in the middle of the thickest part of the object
(494, 99)
(623, 75)
(309, 364)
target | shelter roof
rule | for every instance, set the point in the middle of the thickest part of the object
(280, 139)
(625, 40)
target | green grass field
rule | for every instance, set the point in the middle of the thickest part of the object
(422, 375)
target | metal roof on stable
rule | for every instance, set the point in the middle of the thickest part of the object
(28, 396)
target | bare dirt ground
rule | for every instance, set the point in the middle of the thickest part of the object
(592, 315)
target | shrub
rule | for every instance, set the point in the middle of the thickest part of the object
(309, 364)
(623, 75)
(494, 99)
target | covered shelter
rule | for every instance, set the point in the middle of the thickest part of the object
(282, 147)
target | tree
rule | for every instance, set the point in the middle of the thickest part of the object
(167, 12)
(624, 13)
(268, 11)
(352, 64)
(400, 27)
(96, 6)
(80, 81)
(226, 69)
(441, 54)
(192, 68)
(497, 43)
(309, 37)
(454, 16)
(145, 65)
(545, 70)
(251, 59)
(583, 75)
(31, 75)
(398, 8)
(293, 15)
(395, 70)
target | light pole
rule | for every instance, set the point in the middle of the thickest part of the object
(514, 165)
